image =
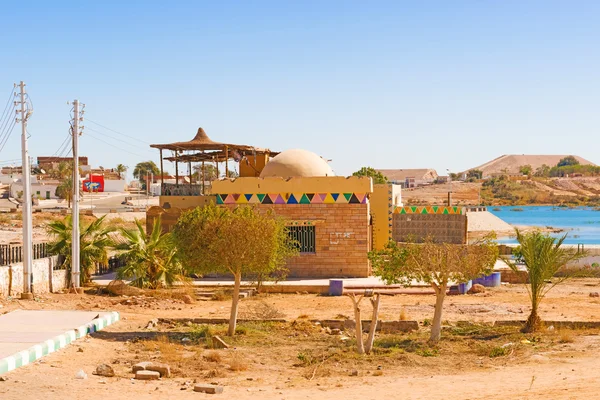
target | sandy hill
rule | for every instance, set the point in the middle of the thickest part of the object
(510, 163)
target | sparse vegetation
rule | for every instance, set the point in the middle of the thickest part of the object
(543, 257)
(239, 242)
(435, 264)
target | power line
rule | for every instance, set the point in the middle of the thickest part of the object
(5, 120)
(112, 137)
(117, 132)
(112, 145)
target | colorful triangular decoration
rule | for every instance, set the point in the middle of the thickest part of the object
(316, 199)
(347, 196)
(329, 199)
(241, 200)
(335, 196)
(248, 196)
(292, 199)
(279, 200)
(304, 199)
(353, 199)
(267, 200)
(260, 197)
(236, 196)
(219, 199)
(229, 199)
(310, 196)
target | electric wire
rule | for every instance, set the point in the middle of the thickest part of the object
(117, 132)
(112, 145)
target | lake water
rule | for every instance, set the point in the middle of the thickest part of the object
(582, 224)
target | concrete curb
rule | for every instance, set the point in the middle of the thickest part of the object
(58, 342)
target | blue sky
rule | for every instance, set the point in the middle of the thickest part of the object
(388, 84)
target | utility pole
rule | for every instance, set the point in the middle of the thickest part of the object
(75, 243)
(27, 199)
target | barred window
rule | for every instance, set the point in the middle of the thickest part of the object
(303, 237)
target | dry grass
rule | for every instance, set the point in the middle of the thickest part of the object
(213, 356)
(565, 336)
(237, 362)
(261, 310)
(403, 316)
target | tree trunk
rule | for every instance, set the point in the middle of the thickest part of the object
(234, 303)
(534, 322)
(359, 341)
(373, 327)
(436, 325)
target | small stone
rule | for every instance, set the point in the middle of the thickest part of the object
(80, 350)
(147, 375)
(594, 294)
(187, 299)
(141, 366)
(539, 358)
(3, 378)
(163, 369)
(477, 288)
(210, 389)
(219, 343)
(104, 370)
(354, 372)
(336, 331)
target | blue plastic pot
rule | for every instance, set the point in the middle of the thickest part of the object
(336, 287)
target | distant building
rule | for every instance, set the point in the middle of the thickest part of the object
(410, 177)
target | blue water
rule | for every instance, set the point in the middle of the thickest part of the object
(581, 224)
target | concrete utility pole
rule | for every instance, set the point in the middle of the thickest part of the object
(75, 243)
(27, 199)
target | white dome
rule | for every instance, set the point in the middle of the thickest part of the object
(296, 162)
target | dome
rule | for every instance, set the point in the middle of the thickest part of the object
(296, 162)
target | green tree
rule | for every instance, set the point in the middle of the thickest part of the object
(210, 172)
(94, 239)
(436, 265)
(543, 171)
(377, 176)
(150, 258)
(143, 169)
(475, 173)
(567, 161)
(241, 242)
(525, 169)
(121, 169)
(544, 258)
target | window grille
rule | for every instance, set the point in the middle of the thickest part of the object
(304, 238)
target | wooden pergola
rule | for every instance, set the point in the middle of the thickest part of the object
(203, 149)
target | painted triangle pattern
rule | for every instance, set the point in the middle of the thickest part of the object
(307, 198)
(443, 210)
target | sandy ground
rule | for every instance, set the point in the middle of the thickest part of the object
(568, 371)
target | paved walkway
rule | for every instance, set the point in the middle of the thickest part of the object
(27, 335)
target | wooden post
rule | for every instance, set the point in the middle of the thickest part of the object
(190, 172)
(203, 179)
(162, 174)
(227, 161)
(176, 170)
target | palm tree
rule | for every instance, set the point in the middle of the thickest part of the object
(151, 260)
(543, 257)
(121, 169)
(94, 239)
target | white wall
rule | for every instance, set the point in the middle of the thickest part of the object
(114, 185)
(8, 179)
(35, 187)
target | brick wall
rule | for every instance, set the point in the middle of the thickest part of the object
(342, 239)
(442, 228)
(342, 234)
